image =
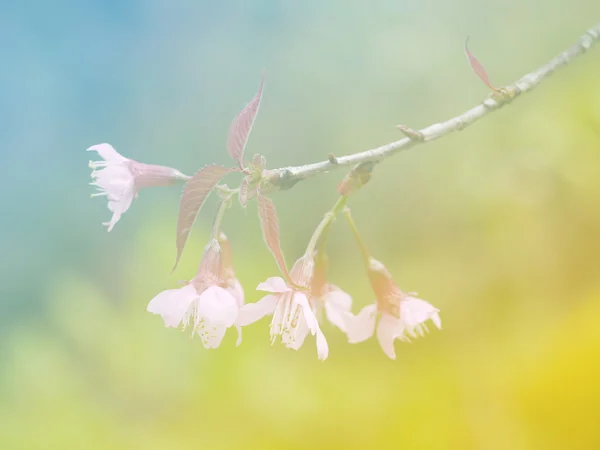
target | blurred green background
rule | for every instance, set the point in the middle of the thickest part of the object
(498, 226)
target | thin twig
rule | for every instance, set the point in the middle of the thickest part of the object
(287, 177)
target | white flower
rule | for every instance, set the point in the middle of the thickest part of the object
(401, 316)
(209, 303)
(293, 316)
(209, 312)
(120, 179)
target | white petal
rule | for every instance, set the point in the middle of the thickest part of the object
(237, 291)
(211, 334)
(322, 347)
(414, 311)
(294, 338)
(274, 284)
(337, 306)
(107, 152)
(173, 304)
(361, 327)
(309, 315)
(339, 298)
(218, 306)
(113, 221)
(239, 332)
(387, 329)
(251, 312)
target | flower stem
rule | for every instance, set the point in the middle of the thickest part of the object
(225, 204)
(323, 228)
(359, 241)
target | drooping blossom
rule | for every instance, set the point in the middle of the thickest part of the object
(209, 303)
(232, 284)
(120, 179)
(327, 297)
(293, 316)
(401, 316)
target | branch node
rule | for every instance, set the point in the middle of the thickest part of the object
(413, 135)
(505, 95)
(281, 179)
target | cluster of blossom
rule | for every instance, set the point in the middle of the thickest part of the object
(213, 300)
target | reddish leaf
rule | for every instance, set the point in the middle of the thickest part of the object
(194, 194)
(242, 126)
(270, 228)
(478, 68)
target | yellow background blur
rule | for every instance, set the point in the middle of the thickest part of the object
(498, 226)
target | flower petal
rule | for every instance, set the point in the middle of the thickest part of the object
(337, 304)
(173, 304)
(274, 284)
(339, 297)
(239, 331)
(251, 312)
(414, 311)
(294, 338)
(387, 330)
(322, 347)
(237, 291)
(211, 334)
(107, 152)
(217, 306)
(361, 327)
(309, 315)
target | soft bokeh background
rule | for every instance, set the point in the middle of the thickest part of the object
(498, 226)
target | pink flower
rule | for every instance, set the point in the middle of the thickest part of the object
(293, 316)
(401, 316)
(210, 303)
(120, 179)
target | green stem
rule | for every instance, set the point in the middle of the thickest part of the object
(323, 227)
(225, 203)
(223, 189)
(359, 241)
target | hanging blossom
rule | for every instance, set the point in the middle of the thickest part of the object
(210, 303)
(327, 297)
(120, 179)
(401, 316)
(290, 305)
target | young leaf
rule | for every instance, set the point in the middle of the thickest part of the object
(259, 161)
(242, 126)
(194, 194)
(270, 228)
(478, 68)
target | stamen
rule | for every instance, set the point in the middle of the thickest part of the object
(97, 164)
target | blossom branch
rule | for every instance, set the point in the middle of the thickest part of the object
(213, 300)
(287, 177)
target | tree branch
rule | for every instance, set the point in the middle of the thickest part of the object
(287, 177)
